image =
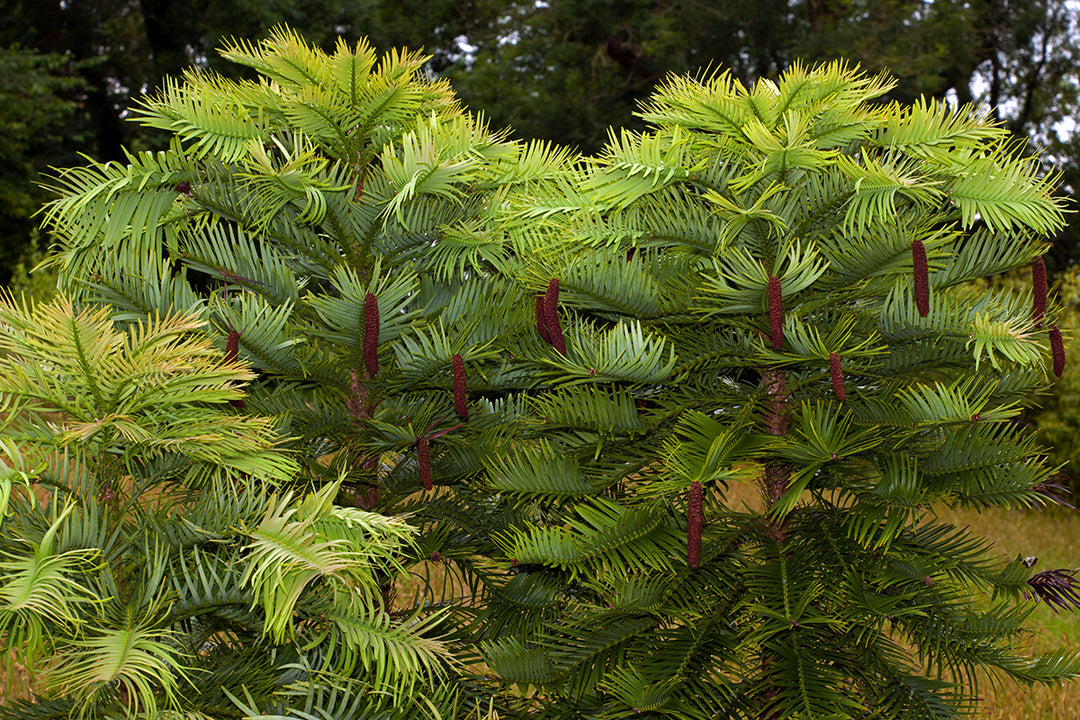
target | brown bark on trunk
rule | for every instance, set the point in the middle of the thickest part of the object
(775, 483)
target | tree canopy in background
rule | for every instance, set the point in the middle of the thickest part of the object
(39, 124)
(563, 70)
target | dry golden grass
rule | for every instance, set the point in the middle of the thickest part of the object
(1054, 537)
(14, 679)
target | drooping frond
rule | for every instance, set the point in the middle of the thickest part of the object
(136, 661)
(295, 545)
(142, 385)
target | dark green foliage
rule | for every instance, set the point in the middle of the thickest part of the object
(580, 359)
(797, 214)
(38, 128)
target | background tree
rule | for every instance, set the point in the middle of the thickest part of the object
(40, 121)
(126, 48)
(1015, 58)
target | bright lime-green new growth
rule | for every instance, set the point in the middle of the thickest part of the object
(553, 370)
(801, 250)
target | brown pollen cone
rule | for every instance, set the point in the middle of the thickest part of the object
(232, 346)
(232, 351)
(424, 457)
(1057, 348)
(551, 317)
(371, 334)
(837, 376)
(695, 519)
(776, 312)
(460, 390)
(921, 277)
(1038, 283)
(541, 319)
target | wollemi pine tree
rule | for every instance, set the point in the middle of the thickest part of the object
(333, 226)
(577, 362)
(770, 287)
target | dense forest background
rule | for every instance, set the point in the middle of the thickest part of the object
(564, 70)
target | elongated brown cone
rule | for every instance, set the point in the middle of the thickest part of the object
(371, 334)
(541, 319)
(551, 317)
(1038, 284)
(695, 519)
(837, 375)
(232, 346)
(232, 351)
(921, 277)
(776, 312)
(1057, 348)
(460, 390)
(424, 456)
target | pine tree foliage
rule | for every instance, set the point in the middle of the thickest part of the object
(144, 529)
(333, 226)
(761, 238)
(581, 358)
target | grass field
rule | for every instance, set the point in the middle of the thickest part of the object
(1053, 536)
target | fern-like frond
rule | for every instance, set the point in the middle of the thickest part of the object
(1007, 193)
(103, 204)
(538, 471)
(623, 353)
(295, 545)
(136, 660)
(602, 534)
(42, 592)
